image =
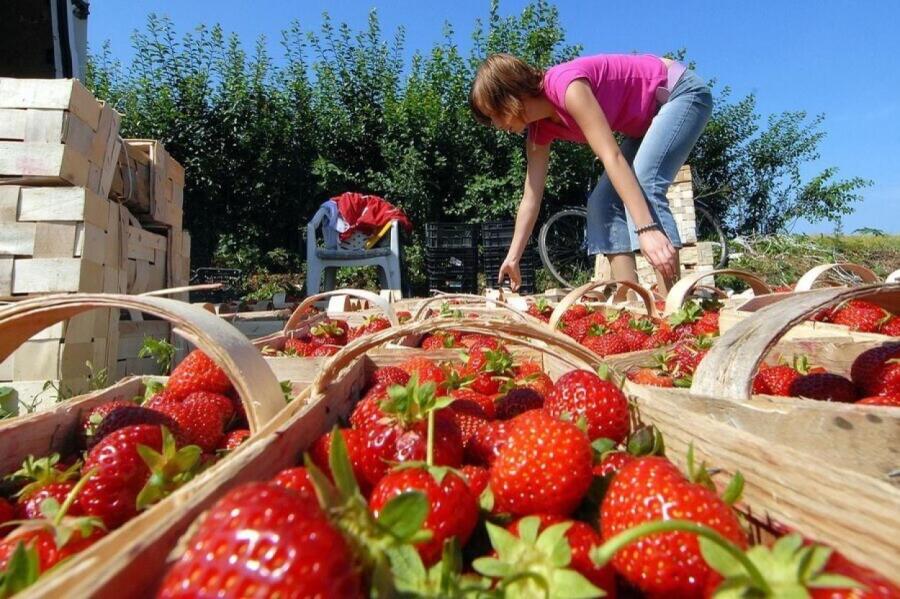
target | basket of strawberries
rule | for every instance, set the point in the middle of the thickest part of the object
(562, 492)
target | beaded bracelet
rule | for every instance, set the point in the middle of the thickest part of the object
(646, 228)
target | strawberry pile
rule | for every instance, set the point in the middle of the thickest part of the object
(488, 479)
(128, 456)
(863, 316)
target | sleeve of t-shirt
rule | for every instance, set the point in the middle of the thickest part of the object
(558, 82)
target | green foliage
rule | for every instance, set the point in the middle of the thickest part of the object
(265, 140)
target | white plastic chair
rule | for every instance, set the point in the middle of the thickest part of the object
(351, 253)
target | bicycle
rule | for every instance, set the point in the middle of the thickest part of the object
(562, 243)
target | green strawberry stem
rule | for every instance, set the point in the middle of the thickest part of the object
(72, 496)
(603, 554)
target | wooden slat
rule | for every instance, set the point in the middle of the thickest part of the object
(27, 159)
(12, 124)
(6, 276)
(46, 275)
(46, 126)
(17, 239)
(54, 240)
(9, 203)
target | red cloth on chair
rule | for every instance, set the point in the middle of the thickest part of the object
(368, 213)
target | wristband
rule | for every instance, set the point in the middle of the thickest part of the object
(645, 228)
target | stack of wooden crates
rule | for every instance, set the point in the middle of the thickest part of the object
(695, 256)
(77, 216)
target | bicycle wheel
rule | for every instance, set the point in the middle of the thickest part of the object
(709, 230)
(563, 247)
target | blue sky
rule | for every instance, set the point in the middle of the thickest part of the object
(837, 57)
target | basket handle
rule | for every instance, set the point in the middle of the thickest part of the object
(727, 370)
(297, 316)
(621, 292)
(420, 309)
(894, 277)
(815, 274)
(522, 333)
(682, 289)
(254, 381)
(185, 289)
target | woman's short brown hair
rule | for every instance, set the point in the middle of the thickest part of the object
(501, 83)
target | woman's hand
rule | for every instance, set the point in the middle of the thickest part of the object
(510, 268)
(660, 252)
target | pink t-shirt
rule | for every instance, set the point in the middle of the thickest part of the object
(624, 85)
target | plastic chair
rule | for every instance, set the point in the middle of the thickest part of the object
(351, 253)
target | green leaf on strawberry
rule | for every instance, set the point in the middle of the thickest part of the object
(404, 515)
(21, 572)
(170, 468)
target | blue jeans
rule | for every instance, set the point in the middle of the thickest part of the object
(655, 159)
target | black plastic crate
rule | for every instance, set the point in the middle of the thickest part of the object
(493, 258)
(450, 235)
(498, 233)
(455, 284)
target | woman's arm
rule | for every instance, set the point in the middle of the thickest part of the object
(535, 179)
(584, 108)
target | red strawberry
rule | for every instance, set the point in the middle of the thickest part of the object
(356, 444)
(7, 513)
(687, 355)
(708, 324)
(132, 415)
(875, 371)
(29, 508)
(577, 312)
(582, 539)
(824, 386)
(860, 315)
(43, 542)
(518, 401)
(477, 478)
(876, 586)
(298, 481)
(541, 309)
(111, 493)
(653, 377)
(330, 332)
(544, 466)
(39, 474)
(775, 380)
(372, 324)
(403, 315)
(666, 564)
(368, 410)
(881, 400)
(232, 440)
(197, 372)
(891, 327)
(325, 350)
(202, 418)
(578, 329)
(663, 335)
(438, 340)
(452, 506)
(298, 347)
(583, 394)
(474, 341)
(538, 382)
(485, 445)
(619, 321)
(262, 540)
(424, 369)
(527, 368)
(473, 402)
(606, 345)
(612, 462)
(390, 375)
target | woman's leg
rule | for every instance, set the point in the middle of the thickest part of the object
(665, 148)
(608, 223)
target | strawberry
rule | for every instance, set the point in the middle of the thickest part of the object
(541, 309)
(775, 380)
(528, 367)
(583, 394)
(197, 372)
(404, 315)
(452, 506)
(891, 327)
(666, 564)
(423, 368)
(875, 372)
(356, 443)
(477, 478)
(29, 508)
(537, 381)
(232, 440)
(329, 332)
(298, 481)
(663, 335)
(707, 324)
(298, 347)
(824, 386)
(39, 474)
(390, 375)
(494, 361)
(121, 483)
(578, 329)
(7, 513)
(262, 540)
(518, 401)
(473, 402)
(881, 400)
(577, 312)
(438, 340)
(401, 435)
(325, 350)
(637, 334)
(581, 539)
(473, 341)
(485, 445)
(368, 409)
(606, 345)
(373, 324)
(202, 418)
(131, 415)
(43, 542)
(876, 586)
(687, 354)
(860, 315)
(94, 417)
(544, 466)
(653, 377)
(612, 462)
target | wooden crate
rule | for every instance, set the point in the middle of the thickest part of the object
(150, 183)
(822, 501)
(54, 132)
(681, 202)
(146, 256)
(131, 338)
